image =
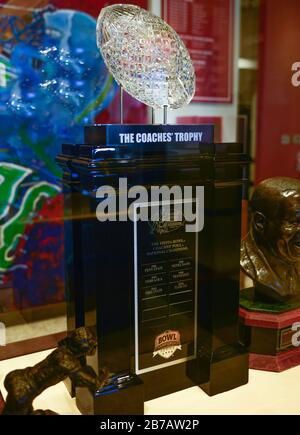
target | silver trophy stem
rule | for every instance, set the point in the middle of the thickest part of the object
(165, 114)
(153, 115)
(121, 106)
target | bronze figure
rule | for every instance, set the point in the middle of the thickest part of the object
(270, 253)
(23, 386)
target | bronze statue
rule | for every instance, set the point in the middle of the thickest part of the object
(270, 253)
(23, 386)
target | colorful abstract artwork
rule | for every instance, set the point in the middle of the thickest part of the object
(52, 82)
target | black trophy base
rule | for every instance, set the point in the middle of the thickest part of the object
(119, 397)
(227, 368)
(167, 288)
(166, 381)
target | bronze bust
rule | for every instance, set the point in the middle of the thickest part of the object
(270, 253)
(23, 386)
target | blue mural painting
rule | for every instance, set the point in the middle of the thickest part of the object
(52, 82)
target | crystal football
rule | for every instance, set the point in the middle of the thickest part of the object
(145, 56)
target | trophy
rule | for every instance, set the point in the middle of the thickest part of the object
(152, 227)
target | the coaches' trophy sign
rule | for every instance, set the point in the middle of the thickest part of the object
(153, 231)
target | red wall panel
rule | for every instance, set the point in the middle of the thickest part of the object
(278, 116)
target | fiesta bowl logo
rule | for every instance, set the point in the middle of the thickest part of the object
(165, 227)
(167, 343)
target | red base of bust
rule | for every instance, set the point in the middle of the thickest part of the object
(279, 363)
(269, 338)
